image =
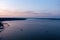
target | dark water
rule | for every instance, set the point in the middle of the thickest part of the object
(31, 29)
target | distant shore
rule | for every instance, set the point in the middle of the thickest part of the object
(46, 18)
(11, 19)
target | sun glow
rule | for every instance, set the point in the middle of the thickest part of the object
(6, 11)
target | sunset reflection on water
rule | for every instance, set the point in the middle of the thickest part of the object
(31, 29)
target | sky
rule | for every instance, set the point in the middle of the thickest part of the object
(30, 8)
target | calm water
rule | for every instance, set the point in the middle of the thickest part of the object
(31, 29)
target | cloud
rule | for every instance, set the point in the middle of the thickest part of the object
(16, 13)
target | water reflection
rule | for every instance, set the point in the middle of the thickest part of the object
(0, 38)
(2, 27)
(31, 30)
(21, 29)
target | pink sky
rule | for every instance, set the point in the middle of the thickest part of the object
(18, 13)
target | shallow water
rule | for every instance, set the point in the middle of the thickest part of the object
(31, 29)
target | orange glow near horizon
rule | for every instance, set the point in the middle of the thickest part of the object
(7, 13)
(17, 13)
